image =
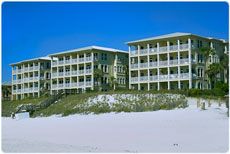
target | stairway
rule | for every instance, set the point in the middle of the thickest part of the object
(44, 104)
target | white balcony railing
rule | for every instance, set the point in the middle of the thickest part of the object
(152, 64)
(35, 88)
(173, 62)
(173, 47)
(163, 63)
(61, 62)
(60, 73)
(88, 71)
(74, 60)
(184, 75)
(134, 66)
(74, 84)
(88, 83)
(184, 47)
(31, 78)
(173, 76)
(163, 49)
(54, 63)
(144, 78)
(36, 78)
(67, 85)
(31, 68)
(163, 77)
(14, 91)
(81, 59)
(152, 50)
(80, 84)
(88, 59)
(26, 69)
(54, 74)
(153, 78)
(74, 72)
(143, 65)
(67, 73)
(54, 86)
(134, 52)
(67, 61)
(134, 79)
(19, 71)
(184, 61)
(80, 72)
(60, 85)
(26, 79)
(143, 51)
(36, 68)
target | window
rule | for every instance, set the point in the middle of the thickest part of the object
(95, 66)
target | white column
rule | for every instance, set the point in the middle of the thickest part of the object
(92, 75)
(168, 44)
(178, 77)
(12, 84)
(70, 69)
(190, 64)
(139, 86)
(148, 66)
(178, 53)
(129, 68)
(51, 76)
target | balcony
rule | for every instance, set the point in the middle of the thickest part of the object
(74, 72)
(67, 85)
(163, 63)
(54, 63)
(80, 72)
(134, 79)
(54, 74)
(19, 81)
(81, 60)
(19, 91)
(143, 65)
(36, 78)
(36, 68)
(88, 71)
(14, 91)
(74, 61)
(88, 59)
(143, 78)
(134, 66)
(152, 64)
(143, 51)
(173, 76)
(153, 78)
(81, 84)
(74, 84)
(60, 73)
(19, 71)
(54, 86)
(35, 89)
(31, 68)
(163, 49)
(152, 50)
(134, 52)
(88, 83)
(163, 77)
(184, 75)
(184, 47)
(14, 71)
(61, 85)
(67, 73)
(61, 62)
(173, 48)
(26, 79)
(173, 62)
(31, 78)
(67, 61)
(26, 69)
(184, 61)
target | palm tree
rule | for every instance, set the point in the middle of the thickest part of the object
(206, 52)
(98, 73)
(212, 72)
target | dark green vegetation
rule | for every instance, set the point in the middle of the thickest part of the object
(79, 103)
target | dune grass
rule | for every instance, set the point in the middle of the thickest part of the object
(10, 106)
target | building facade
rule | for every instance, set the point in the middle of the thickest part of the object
(172, 61)
(89, 68)
(31, 78)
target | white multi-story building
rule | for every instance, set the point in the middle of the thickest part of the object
(172, 61)
(88, 68)
(30, 78)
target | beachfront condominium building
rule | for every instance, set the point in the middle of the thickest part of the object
(173, 61)
(31, 78)
(89, 68)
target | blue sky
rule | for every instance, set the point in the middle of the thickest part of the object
(33, 29)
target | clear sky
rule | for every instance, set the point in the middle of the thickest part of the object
(33, 29)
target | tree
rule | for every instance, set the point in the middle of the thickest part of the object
(212, 72)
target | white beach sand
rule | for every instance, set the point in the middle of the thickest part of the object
(179, 130)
